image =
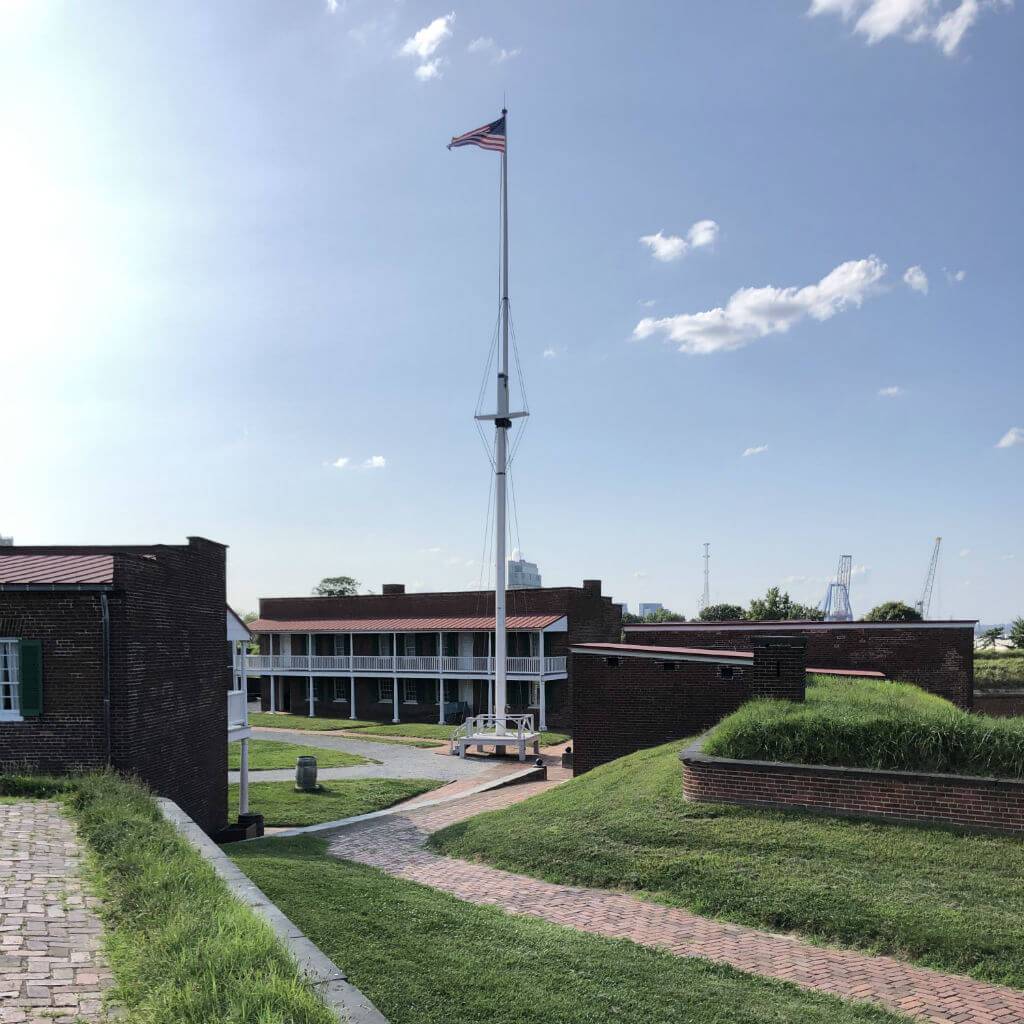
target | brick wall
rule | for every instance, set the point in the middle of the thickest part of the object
(914, 797)
(69, 735)
(626, 704)
(938, 659)
(169, 673)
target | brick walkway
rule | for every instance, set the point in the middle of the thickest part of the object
(395, 845)
(51, 967)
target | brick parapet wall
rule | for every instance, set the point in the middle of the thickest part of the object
(938, 659)
(979, 804)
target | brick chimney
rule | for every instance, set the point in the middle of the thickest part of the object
(780, 667)
(392, 588)
(592, 587)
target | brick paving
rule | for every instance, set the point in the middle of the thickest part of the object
(51, 966)
(395, 844)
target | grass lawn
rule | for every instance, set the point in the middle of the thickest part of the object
(280, 804)
(396, 740)
(866, 723)
(423, 956)
(950, 901)
(428, 730)
(995, 670)
(269, 754)
(282, 720)
(182, 949)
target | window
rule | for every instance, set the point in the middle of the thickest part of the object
(385, 690)
(340, 691)
(410, 692)
(9, 679)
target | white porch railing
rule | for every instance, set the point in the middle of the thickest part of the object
(262, 664)
(238, 710)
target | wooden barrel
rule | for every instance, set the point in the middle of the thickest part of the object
(305, 774)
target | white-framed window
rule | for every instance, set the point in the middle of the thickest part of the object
(10, 679)
(340, 691)
(410, 692)
(535, 693)
(385, 690)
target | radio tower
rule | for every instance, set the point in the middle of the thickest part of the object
(705, 598)
(836, 605)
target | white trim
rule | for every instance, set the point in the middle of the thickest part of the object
(800, 627)
(619, 652)
(13, 684)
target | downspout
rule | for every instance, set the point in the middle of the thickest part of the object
(105, 620)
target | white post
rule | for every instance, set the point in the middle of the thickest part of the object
(440, 681)
(543, 716)
(309, 662)
(490, 668)
(394, 677)
(243, 779)
(351, 678)
(242, 652)
(273, 706)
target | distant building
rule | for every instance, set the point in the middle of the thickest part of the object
(650, 607)
(523, 575)
(6, 542)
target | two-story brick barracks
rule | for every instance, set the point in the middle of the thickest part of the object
(937, 655)
(425, 657)
(118, 656)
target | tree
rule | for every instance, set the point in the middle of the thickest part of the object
(777, 604)
(892, 611)
(991, 635)
(722, 613)
(661, 615)
(337, 586)
(1017, 633)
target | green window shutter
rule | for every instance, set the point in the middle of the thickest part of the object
(30, 671)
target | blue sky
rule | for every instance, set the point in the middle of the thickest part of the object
(236, 251)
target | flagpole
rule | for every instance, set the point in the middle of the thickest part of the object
(502, 423)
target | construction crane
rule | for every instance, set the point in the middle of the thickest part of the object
(836, 604)
(924, 605)
(705, 598)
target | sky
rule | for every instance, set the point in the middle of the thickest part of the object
(765, 279)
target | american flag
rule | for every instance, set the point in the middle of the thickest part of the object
(490, 136)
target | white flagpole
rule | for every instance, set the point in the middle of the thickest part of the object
(501, 426)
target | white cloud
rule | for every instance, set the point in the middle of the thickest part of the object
(756, 450)
(431, 69)
(341, 462)
(964, 552)
(375, 462)
(753, 313)
(647, 302)
(942, 22)
(665, 247)
(704, 232)
(550, 353)
(639, 575)
(486, 45)
(436, 550)
(1009, 558)
(955, 276)
(424, 44)
(1014, 436)
(332, 6)
(860, 570)
(893, 391)
(426, 41)
(917, 279)
(668, 248)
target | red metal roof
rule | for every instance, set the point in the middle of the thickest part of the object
(61, 570)
(399, 625)
(701, 652)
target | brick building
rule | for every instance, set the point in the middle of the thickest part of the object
(390, 657)
(937, 655)
(629, 697)
(118, 656)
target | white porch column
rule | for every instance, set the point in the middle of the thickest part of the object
(273, 705)
(394, 677)
(440, 681)
(309, 662)
(490, 681)
(351, 679)
(243, 779)
(543, 723)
